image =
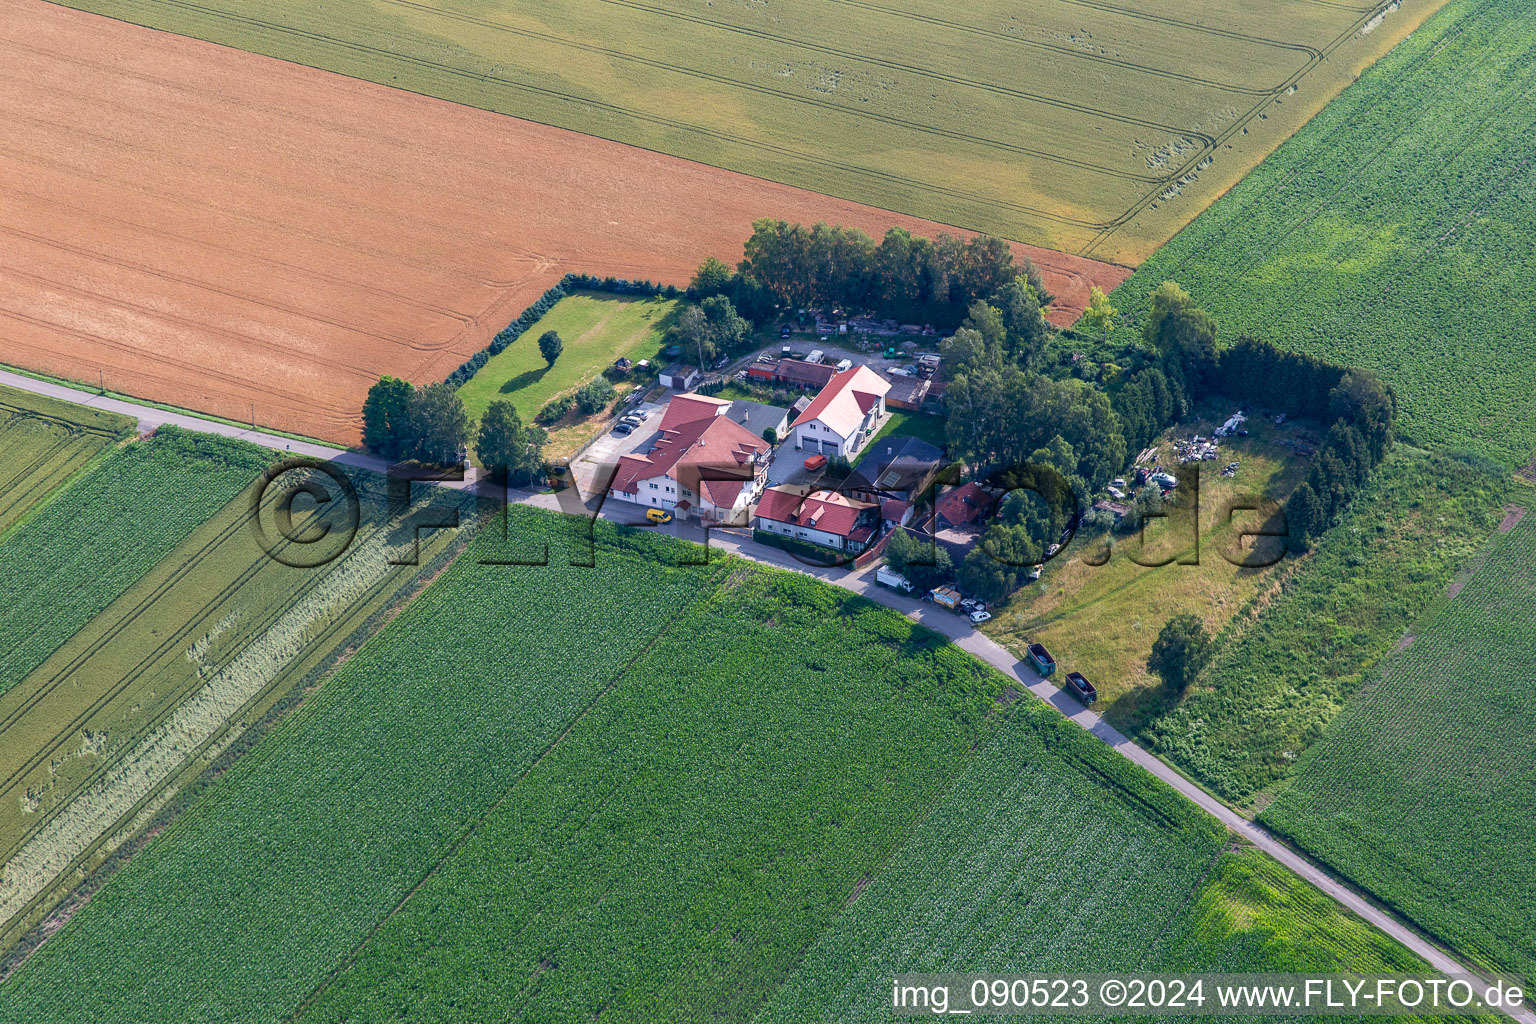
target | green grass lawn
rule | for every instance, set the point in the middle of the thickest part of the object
(915, 424)
(1101, 620)
(596, 329)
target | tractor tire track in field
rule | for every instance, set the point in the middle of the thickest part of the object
(987, 33)
(145, 663)
(357, 133)
(910, 69)
(203, 243)
(192, 370)
(987, 650)
(1330, 152)
(160, 750)
(1238, 124)
(619, 55)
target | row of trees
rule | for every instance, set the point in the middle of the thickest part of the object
(1003, 412)
(905, 276)
(1364, 414)
(429, 424)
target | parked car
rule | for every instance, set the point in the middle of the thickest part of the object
(623, 429)
(978, 617)
(641, 414)
(659, 516)
(1052, 550)
(721, 363)
(630, 421)
(784, 331)
(815, 462)
(969, 604)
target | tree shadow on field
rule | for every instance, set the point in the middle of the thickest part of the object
(524, 379)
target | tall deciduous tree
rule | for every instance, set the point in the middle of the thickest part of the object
(1184, 334)
(1100, 315)
(1180, 651)
(386, 416)
(505, 446)
(439, 427)
(550, 346)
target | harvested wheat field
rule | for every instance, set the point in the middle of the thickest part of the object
(255, 239)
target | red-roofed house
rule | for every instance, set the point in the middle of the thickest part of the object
(964, 505)
(703, 464)
(847, 412)
(819, 517)
(687, 408)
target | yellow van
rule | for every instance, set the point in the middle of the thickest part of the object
(658, 515)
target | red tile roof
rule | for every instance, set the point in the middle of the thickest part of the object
(714, 444)
(892, 509)
(848, 396)
(964, 504)
(826, 511)
(692, 406)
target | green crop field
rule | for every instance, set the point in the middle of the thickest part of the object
(76, 556)
(1393, 232)
(348, 804)
(1300, 649)
(644, 788)
(43, 443)
(1420, 792)
(596, 329)
(1089, 127)
(1047, 851)
(672, 856)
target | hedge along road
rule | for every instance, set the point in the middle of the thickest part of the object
(955, 627)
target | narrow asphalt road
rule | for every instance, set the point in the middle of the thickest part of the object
(951, 625)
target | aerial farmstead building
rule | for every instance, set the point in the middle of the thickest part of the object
(847, 412)
(821, 517)
(698, 444)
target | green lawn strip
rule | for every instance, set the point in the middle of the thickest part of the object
(596, 329)
(1420, 791)
(64, 565)
(1295, 655)
(674, 854)
(244, 904)
(1391, 232)
(912, 424)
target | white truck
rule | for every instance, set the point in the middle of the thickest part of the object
(893, 579)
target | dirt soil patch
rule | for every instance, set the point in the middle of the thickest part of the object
(1512, 517)
(260, 240)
